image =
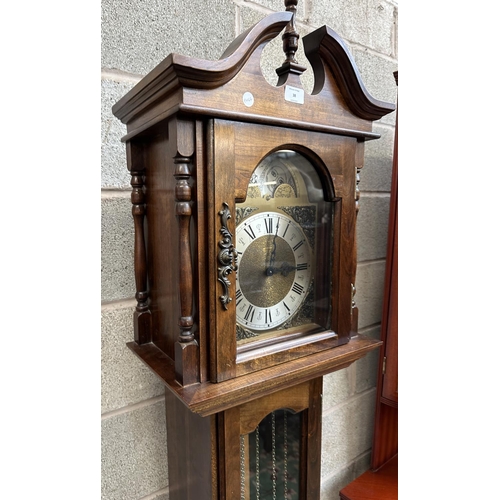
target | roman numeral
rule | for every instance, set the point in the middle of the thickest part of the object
(302, 267)
(239, 296)
(286, 307)
(297, 288)
(269, 225)
(298, 245)
(250, 232)
(286, 229)
(247, 315)
(270, 319)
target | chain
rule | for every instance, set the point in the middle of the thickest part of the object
(257, 464)
(273, 433)
(242, 467)
(285, 454)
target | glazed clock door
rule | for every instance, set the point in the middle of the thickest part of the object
(277, 231)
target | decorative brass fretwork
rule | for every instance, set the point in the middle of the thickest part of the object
(244, 212)
(243, 333)
(357, 192)
(306, 217)
(227, 256)
(357, 195)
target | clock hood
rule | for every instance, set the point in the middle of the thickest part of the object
(233, 87)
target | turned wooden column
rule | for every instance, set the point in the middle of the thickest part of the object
(142, 314)
(181, 137)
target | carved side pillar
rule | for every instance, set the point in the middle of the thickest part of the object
(142, 314)
(181, 137)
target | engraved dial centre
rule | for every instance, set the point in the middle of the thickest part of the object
(260, 288)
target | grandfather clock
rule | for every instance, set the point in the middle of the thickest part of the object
(244, 200)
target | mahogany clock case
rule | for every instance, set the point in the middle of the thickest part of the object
(199, 134)
(192, 146)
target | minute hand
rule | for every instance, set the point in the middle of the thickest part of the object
(270, 270)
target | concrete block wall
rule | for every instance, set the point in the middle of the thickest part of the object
(136, 36)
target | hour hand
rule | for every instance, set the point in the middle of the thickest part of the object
(286, 268)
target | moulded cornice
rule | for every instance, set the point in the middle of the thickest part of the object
(178, 70)
(324, 46)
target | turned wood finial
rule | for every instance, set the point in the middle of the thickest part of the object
(291, 35)
(290, 45)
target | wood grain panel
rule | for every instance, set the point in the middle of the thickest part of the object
(224, 334)
(295, 398)
(189, 438)
(200, 243)
(312, 467)
(163, 238)
(229, 453)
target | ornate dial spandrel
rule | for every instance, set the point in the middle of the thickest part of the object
(305, 216)
(243, 212)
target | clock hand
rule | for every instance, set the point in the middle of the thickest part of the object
(270, 269)
(286, 268)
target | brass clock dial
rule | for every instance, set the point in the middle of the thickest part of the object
(281, 239)
(275, 269)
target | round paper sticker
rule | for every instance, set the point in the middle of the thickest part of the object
(248, 99)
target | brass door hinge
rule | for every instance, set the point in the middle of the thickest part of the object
(383, 365)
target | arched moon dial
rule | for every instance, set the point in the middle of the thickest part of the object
(275, 269)
(274, 172)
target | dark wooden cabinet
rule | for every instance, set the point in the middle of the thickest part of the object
(245, 202)
(381, 482)
(385, 442)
